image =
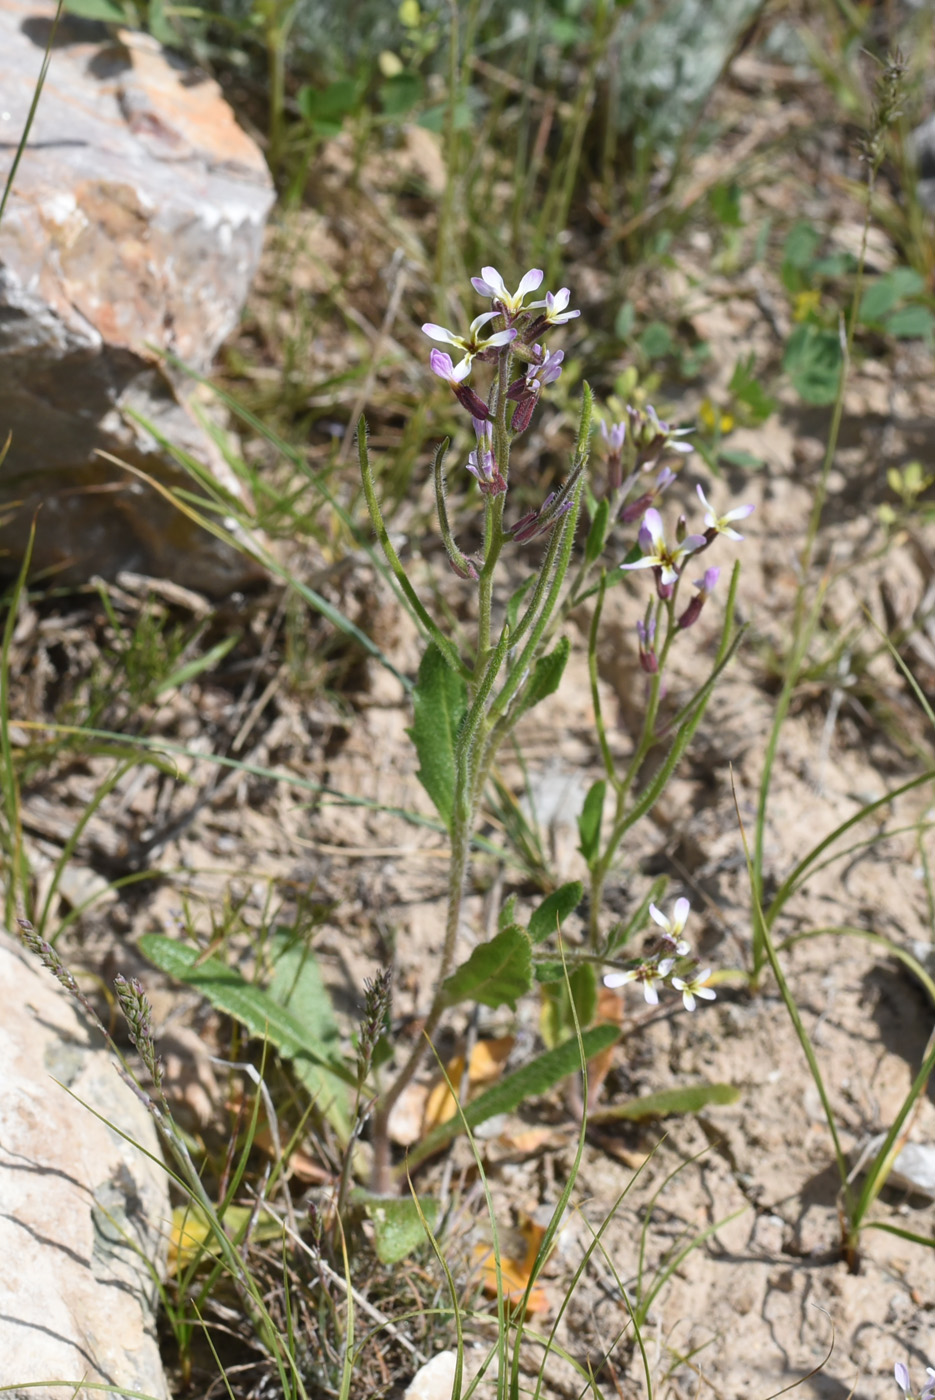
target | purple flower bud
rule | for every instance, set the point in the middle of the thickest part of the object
(646, 633)
(522, 414)
(637, 509)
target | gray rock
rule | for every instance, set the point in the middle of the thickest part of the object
(135, 219)
(922, 150)
(84, 1215)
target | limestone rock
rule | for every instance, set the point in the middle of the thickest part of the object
(135, 219)
(84, 1215)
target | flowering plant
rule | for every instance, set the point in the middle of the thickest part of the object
(469, 698)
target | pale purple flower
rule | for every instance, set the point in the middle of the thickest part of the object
(555, 314)
(657, 554)
(473, 343)
(646, 632)
(673, 928)
(692, 987)
(614, 436)
(491, 284)
(902, 1380)
(443, 365)
(647, 974)
(720, 524)
(548, 371)
(482, 463)
(651, 437)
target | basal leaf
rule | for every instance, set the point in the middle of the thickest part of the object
(533, 1079)
(690, 1099)
(397, 1227)
(554, 910)
(496, 973)
(297, 986)
(316, 1065)
(440, 704)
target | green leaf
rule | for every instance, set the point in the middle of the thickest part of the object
(439, 706)
(402, 92)
(535, 1078)
(589, 822)
(556, 1021)
(625, 320)
(326, 108)
(497, 972)
(546, 677)
(554, 910)
(690, 1099)
(813, 361)
(397, 1227)
(322, 1074)
(507, 914)
(798, 251)
(910, 323)
(104, 10)
(297, 987)
(597, 533)
(656, 341)
(738, 457)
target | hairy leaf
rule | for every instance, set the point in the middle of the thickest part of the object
(440, 704)
(496, 973)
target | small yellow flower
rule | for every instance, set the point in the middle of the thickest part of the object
(805, 303)
(713, 420)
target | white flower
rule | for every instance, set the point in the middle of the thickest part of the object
(492, 285)
(694, 987)
(720, 524)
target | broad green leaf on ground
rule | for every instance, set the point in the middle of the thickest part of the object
(439, 704)
(812, 360)
(297, 986)
(546, 676)
(315, 1063)
(554, 910)
(497, 973)
(532, 1080)
(690, 1099)
(397, 1227)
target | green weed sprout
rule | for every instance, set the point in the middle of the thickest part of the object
(469, 697)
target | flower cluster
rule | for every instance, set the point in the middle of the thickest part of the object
(670, 962)
(640, 442)
(902, 1380)
(509, 335)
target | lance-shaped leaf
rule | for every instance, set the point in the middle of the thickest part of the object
(589, 822)
(439, 707)
(315, 1062)
(691, 1098)
(497, 973)
(397, 1223)
(546, 676)
(531, 1080)
(554, 910)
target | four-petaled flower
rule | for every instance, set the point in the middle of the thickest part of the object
(673, 928)
(555, 314)
(693, 986)
(648, 974)
(720, 524)
(473, 343)
(657, 554)
(491, 284)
